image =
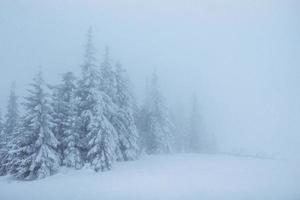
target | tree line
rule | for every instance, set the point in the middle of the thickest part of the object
(91, 120)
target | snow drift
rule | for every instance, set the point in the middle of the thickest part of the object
(182, 177)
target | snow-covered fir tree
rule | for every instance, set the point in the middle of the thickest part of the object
(9, 132)
(35, 154)
(86, 101)
(12, 114)
(64, 120)
(123, 120)
(58, 116)
(115, 86)
(94, 108)
(155, 123)
(91, 120)
(3, 145)
(102, 137)
(1, 122)
(194, 142)
(107, 75)
(143, 120)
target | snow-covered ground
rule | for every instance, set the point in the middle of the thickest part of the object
(173, 177)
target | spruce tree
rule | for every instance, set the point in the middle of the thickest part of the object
(107, 75)
(102, 138)
(64, 120)
(1, 123)
(143, 120)
(12, 114)
(195, 144)
(3, 146)
(58, 116)
(94, 108)
(124, 120)
(155, 121)
(10, 128)
(36, 155)
(114, 84)
(86, 101)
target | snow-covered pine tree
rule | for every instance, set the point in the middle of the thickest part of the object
(12, 114)
(102, 137)
(107, 87)
(86, 101)
(115, 86)
(107, 75)
(10, 128)
(64, 118)
(123, 120)
(1, 122)
(36, 155)
(156, 124)
(58, 116)
(194, 141)
(143, 121)
(17, 147)
(94, 106)
(2, 144)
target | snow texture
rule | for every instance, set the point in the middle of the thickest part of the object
(185, 176)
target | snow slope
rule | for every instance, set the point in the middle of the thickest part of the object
(173, 177)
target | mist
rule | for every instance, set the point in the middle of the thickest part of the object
(241, 58)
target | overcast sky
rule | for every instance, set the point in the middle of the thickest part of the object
(242, 58)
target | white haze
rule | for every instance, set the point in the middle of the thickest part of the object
(240, 57)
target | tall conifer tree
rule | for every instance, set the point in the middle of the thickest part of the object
(86, 100)
(64, 119)
(10, 128)
(195, 143)
(156, 124)
(36, 155)
(124, 120)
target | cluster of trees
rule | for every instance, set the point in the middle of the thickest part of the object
(89, 120)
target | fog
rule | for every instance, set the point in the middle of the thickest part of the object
(241, 58)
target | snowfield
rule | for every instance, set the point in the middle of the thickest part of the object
(173, 177)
